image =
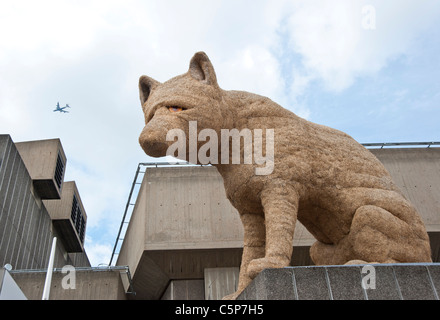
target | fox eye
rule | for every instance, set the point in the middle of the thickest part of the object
(175, 108)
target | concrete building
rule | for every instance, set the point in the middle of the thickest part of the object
(184, 239)
(36, 206)
(180, 238)
(31, 183)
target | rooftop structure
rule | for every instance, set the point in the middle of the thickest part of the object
(181, 230)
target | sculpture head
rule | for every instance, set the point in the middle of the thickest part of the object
(193, 96)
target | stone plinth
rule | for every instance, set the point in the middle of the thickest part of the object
(356, 282)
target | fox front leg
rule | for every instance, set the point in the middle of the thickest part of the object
(253, 248)
(280, 204)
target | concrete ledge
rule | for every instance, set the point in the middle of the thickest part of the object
(356, 282)
(83, 284)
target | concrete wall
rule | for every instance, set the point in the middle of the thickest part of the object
(191, 210)
(25, 226)
(89, 285)
(416, 171)
(26, 229)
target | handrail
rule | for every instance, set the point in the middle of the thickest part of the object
(125, 213)
(394, 144)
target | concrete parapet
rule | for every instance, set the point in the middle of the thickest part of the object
(75, 283)
(355, 282)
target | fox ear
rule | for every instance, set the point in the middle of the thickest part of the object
(201, 69)
(146, 85)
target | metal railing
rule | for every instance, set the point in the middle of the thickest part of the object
(401, 144)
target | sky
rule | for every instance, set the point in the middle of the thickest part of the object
(368, 68)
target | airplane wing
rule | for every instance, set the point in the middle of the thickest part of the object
(61, 109)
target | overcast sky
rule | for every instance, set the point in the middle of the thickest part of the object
(369, 68)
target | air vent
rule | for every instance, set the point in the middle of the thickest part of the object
(82, 229)
(78, 219)
(59, 171)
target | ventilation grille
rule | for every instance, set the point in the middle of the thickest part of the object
(59, 171)
(78, 219)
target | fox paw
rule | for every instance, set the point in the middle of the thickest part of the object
(258, 265)
(232, 296)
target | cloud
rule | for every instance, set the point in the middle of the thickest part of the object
(253, 69)
(37, 31)
(90, 54)
(97, 252)
(335, 47)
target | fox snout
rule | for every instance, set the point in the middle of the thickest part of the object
(152, 142)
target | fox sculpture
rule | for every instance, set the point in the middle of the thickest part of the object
(322, 177)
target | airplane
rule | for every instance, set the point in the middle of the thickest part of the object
(61, 109)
